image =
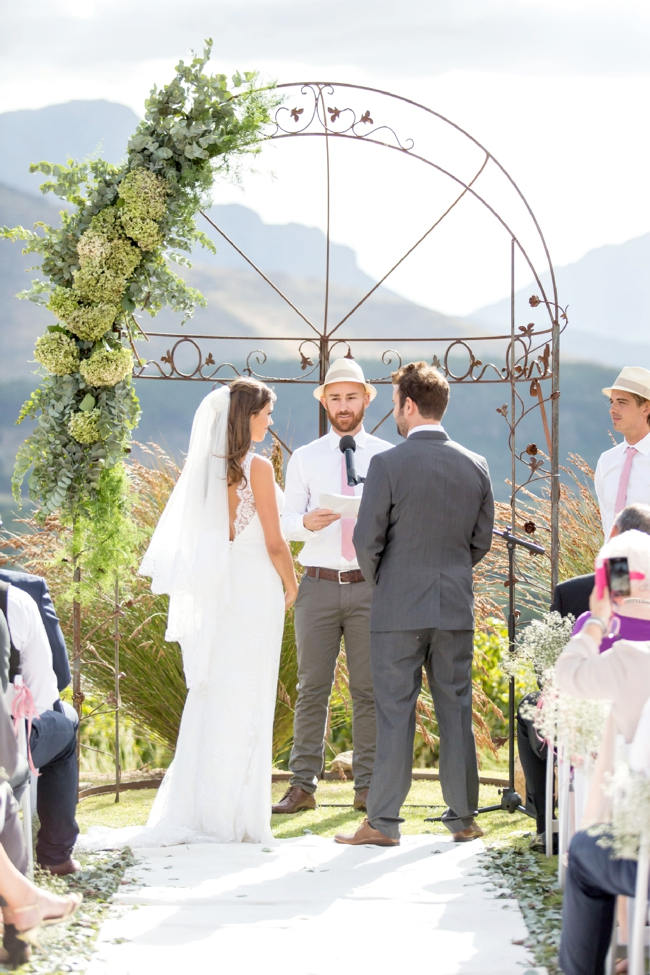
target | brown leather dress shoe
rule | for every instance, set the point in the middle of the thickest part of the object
(294, 800)
(360, 799)
(62, 869)
(367, 835)
(471, 832)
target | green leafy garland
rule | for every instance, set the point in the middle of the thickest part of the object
(108, 259)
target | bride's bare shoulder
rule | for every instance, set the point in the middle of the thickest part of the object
(261, 469)
(262, 476)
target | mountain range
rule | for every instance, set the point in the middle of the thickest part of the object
(607, 293)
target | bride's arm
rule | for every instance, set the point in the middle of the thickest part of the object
(263, 487)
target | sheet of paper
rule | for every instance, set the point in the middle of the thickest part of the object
(346, 505)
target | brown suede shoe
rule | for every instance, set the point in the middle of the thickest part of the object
(471, 832)
(360, 799)
(62, 869)
(294, 800)
(367, 835)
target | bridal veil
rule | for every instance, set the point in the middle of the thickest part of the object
(188, 556)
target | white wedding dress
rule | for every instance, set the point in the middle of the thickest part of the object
(218, 787)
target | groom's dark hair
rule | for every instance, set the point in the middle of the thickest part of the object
(423, 384)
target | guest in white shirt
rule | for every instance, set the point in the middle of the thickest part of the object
(333, 598)
(52, 739)
(623, 472)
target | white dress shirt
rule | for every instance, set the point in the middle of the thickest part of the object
(313, 470)
(427, 427)
(608, 473)
(30, 639)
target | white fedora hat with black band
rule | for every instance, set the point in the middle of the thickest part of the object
(345, 371)
(631, 379)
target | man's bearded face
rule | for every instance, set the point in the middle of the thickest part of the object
(345, 405)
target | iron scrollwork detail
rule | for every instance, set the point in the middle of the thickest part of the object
(321, 116)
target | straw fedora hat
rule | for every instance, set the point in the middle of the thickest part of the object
(631, 379)
(345, 371)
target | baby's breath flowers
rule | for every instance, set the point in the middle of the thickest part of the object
(540, 644)
(57, 352)
(574, 724)
(630, 794)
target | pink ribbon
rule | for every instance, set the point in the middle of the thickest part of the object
(24, 710)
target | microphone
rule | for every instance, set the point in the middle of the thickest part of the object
(347, 446)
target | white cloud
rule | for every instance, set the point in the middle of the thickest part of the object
(556, 89)
(410, 38)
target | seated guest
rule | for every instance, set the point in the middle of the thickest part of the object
(52, 740)
(620, 674)
(24, 906)
(572, 597)
(36, 586)
(14, 771)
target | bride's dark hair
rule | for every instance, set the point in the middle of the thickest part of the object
(247, 397)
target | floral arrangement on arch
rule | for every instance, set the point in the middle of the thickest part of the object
(109, 258)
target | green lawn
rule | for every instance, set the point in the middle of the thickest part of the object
(333, 814)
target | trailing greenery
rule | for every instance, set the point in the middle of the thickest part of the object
(69, 947)
(110, 258)
(532, 879)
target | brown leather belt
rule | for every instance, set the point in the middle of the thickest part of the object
(342, 576)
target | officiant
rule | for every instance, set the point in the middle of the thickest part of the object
(333, 599)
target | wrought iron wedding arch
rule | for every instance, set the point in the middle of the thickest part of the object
(524, 356)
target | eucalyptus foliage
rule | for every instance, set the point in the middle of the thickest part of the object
(109, 259)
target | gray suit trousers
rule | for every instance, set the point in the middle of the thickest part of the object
(325, 612)
(397, 660)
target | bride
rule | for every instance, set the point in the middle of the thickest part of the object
(219, 553)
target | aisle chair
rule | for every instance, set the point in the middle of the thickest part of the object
(635, 914)
(27, 801)
(22, 781)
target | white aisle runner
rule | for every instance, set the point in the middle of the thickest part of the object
(312, 907)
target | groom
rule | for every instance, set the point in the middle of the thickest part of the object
(425, 519)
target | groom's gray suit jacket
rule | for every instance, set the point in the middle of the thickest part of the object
(425, 519)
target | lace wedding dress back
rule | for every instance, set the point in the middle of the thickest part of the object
(218, 787)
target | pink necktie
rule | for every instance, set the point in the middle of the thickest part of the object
(347, 524)
(621, 495)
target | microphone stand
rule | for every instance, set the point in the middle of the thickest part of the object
(510, 798)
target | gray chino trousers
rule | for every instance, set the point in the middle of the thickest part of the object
(325, 612)
(397, 661)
